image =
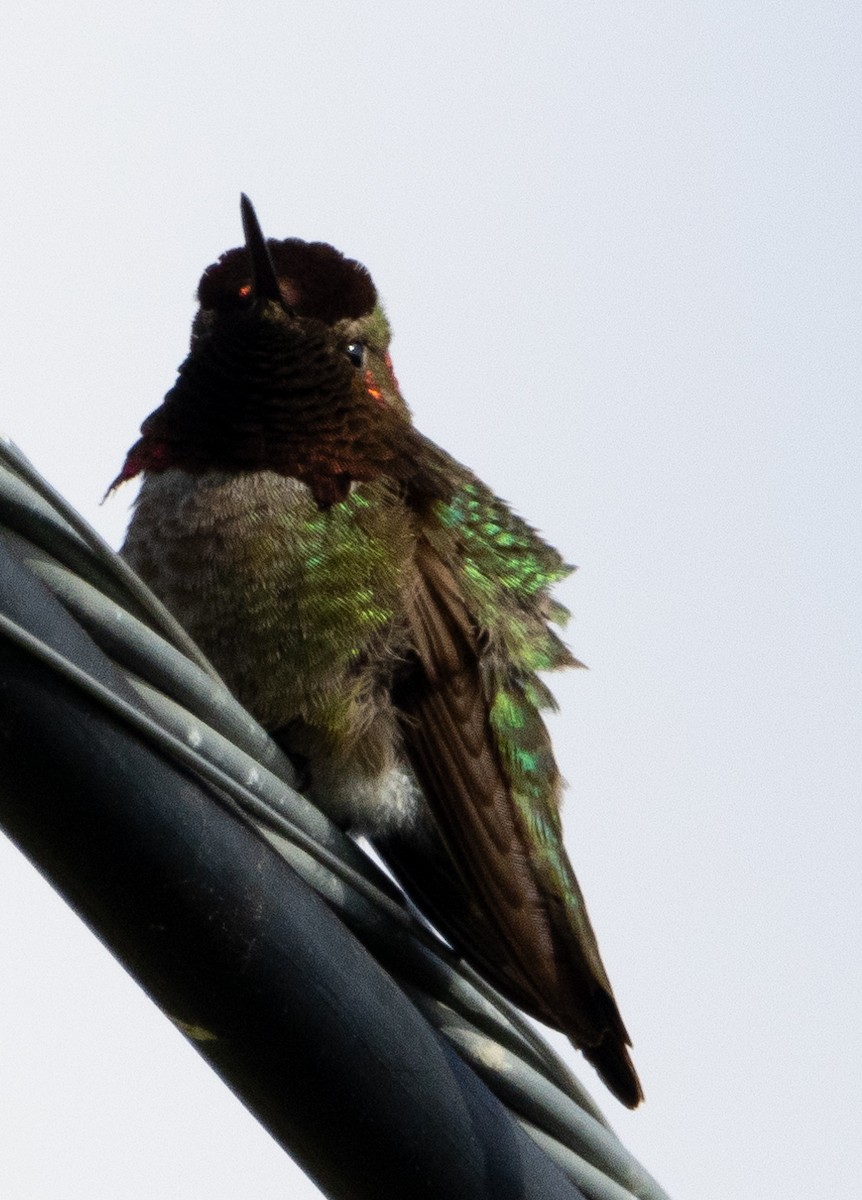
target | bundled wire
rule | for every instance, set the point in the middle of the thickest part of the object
(169, 819)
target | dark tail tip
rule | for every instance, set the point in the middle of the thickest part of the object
(611, 1060)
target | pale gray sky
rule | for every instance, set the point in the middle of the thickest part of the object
(620, 248)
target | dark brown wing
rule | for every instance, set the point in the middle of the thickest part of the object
(507, 914)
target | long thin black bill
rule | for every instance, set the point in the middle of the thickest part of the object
(263, 277)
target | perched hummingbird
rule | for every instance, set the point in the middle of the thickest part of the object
(377, 608)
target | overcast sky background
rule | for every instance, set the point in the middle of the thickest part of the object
(620, 247)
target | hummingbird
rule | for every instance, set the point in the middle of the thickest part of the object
(379, 610)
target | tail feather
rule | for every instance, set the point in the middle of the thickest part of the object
(615, 1068)
(428, 876)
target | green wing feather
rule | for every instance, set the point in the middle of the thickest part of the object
(479, 611)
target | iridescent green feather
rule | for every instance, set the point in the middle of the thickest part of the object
(507, 571)
(347, 592)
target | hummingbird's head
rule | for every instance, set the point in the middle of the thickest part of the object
(288, 370)
(300, 296)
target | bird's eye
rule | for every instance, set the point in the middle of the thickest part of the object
(356, 353)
